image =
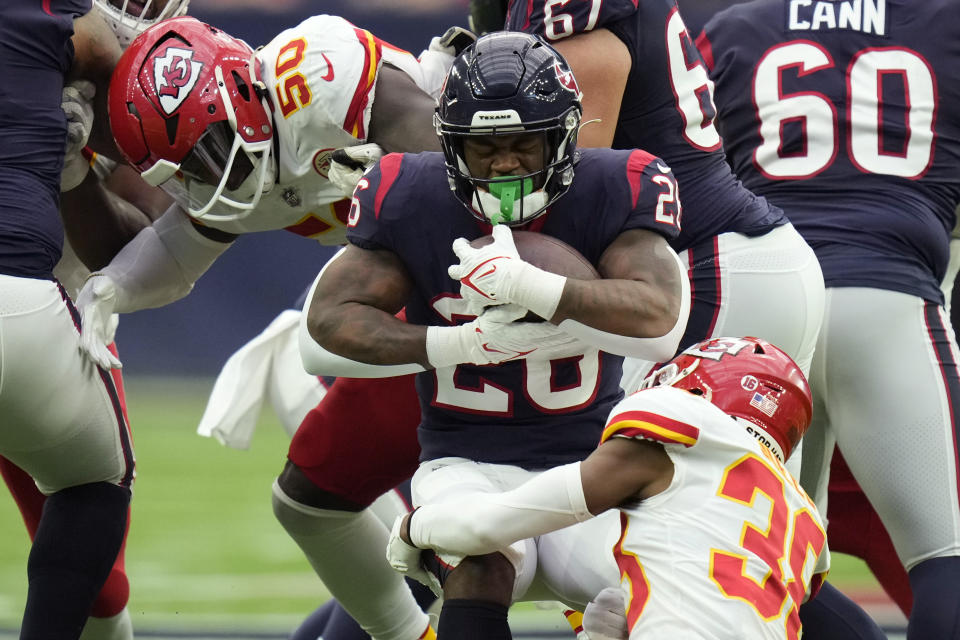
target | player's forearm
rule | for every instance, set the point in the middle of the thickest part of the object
(161, 263)
(485, 522)
(631, 318)
(97, 223)
(367, 334)
(624, 307)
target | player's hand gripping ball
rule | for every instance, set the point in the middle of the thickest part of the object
(542, 251)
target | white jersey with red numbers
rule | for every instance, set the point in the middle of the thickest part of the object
(321, 77)
(732, 547)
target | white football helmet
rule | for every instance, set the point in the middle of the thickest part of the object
(129, 18)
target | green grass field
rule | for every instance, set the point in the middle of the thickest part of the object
(204, 550)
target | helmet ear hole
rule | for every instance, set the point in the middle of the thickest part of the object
(171, 126)
(696, 391)
(242, 87)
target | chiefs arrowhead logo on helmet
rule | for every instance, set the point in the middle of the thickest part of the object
(565, 76)
(174, 75)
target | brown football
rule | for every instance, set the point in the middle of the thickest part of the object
(550, 254)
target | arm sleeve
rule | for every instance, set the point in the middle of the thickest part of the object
(485, 522)
(161, 263)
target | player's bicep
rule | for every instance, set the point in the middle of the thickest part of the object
(643, 255)
(622, 469)
(601, 63)
(374, 278)
(401, 118)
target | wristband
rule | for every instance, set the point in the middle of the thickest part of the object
(536, 289)
(445, 347)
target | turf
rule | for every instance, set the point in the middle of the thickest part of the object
(204, 549)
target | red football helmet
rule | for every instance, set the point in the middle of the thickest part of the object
(189, 112)
(750, 379)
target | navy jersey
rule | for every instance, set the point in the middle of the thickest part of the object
(666, 109)
(35, 54)
(847, 115)
(527, 413)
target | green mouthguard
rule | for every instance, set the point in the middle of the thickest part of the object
(508, 190)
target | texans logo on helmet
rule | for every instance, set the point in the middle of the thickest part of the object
(174, 75)
(565, 76)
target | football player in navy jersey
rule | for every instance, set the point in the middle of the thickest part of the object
(77, 449)
(847, 115)
(96, 224)
(516, 397)
(646, 87)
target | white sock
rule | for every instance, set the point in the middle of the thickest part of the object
(348, 552)
(116, 627)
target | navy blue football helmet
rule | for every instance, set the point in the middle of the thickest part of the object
(505, 84)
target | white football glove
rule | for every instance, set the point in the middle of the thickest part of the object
(347, 165)
(77, 105)
(605, 617)
(406, 559)
(495, 337)
(496, 274)
(96, 302)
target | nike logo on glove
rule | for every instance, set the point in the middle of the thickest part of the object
(467, 280)
(516, 354)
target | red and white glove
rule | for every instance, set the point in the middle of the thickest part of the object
(496, 274)
(495, 337)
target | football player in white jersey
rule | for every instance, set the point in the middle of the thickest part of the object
(243, 142)
(715, 539)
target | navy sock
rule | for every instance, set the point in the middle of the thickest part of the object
(936, 599)
(462, 619)
(77, 541)
(834, 616)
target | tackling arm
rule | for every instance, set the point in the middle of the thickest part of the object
(401, 118)
(157, 267)
(99, 222)
(483, 523)
(160, 264)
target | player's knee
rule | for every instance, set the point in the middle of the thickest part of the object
(489, 577)
(299, 519)
(298, 487)
(113, 597)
